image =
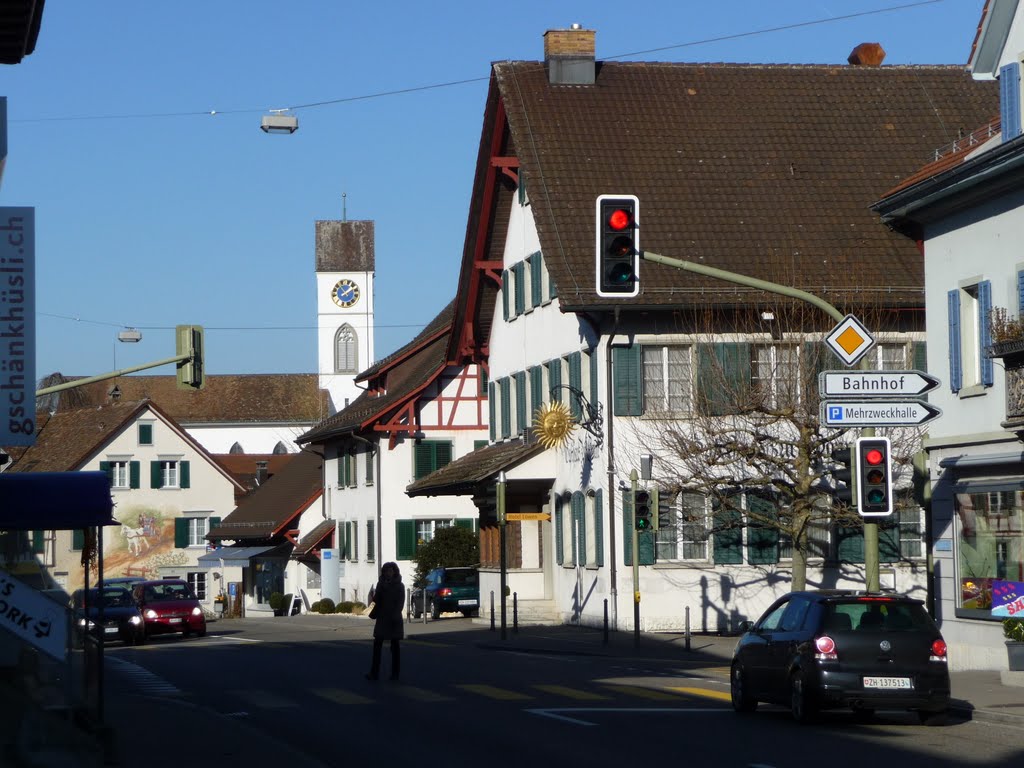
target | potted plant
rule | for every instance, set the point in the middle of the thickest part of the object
(276, 602)
(1013, 631)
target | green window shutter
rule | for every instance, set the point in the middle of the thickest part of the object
(536, 278)
(442, 454)
(504, 294)
(919, 354)
(371, 539)
(599, 528)
(728, 537)
(156, 477)
(506, 407)
(38, 542)
(522, 420)
(724, 371)
(576, 382)
(105, 468)
(555, 380)
(214, 522)
(134, 472)
(423, 459)
(519, 270)
(180, 532)
(184, 479)
(592, 396)
(493, 424)
(850, 548)
(628, 397)
(478, 444)
(482, 380)
(762, 539)
(78, 539)
(369, 456)
(559, 544)
(579, 514)
(536, 388)
(889, 542)
(464, 523)
(145, 434)
(405, 539)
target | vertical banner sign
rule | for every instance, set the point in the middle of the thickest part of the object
(17, 326)
(3, 135)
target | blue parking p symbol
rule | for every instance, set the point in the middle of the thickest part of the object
(835, 413)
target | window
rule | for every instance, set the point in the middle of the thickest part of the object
(968, 311)
(346, 347)
(169, 473)
(191, 530)
(775, 375)
(668, 379)
(122, 473)
(198, 527)
(410, 534)
(686, 537)
(990, 541)
(346, 470)
(197, 580)
(430, 455)
(145, 434)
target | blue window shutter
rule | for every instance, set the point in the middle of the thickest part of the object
(985, 331)
(576, 382)
(522, 416)
(504, 294)
(559, 547)
(599, 528)
(628, 399)
(492, 410)
(955, 370)
(1009, 100)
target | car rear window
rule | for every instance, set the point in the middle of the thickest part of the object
(462, 577)
(874, 614)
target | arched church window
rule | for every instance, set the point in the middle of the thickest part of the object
(345, 358)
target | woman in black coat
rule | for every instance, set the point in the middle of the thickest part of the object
(389, 605)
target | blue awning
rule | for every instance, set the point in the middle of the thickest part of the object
(31, 501)
(234, 555)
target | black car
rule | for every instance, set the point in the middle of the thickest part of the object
(121, 617)
(832, 649)
(448, 590)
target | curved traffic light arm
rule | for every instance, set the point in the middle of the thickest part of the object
(110, 375)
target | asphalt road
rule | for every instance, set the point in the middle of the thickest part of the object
(465, 700)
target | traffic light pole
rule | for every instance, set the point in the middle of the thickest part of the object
(636, 559)
(871, 576)
(111, 375)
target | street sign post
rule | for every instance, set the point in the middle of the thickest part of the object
(877, 413)
(861, 384)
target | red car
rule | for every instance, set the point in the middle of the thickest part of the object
(169, 605)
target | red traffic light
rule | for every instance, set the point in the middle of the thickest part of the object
(620, 219)
(874, 457)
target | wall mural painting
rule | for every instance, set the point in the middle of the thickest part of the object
(139, 546)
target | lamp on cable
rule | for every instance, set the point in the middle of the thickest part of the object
(279, 121)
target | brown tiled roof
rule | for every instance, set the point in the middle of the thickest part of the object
(313, 539)
(466, 472)
(408, 371)
(242, 467)
(66, 440)
(234, 398)
(275, 507)
(764, 170)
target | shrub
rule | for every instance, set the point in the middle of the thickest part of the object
(1013, 629)
(325, 605)
(345, 606)
(315, 607)
(276, 601)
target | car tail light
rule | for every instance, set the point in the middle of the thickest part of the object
(444, 592)
(826, 649)
(938, 650)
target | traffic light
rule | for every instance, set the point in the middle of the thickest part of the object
(618, 246)
(642, 510)
(191, 372)
(874, 476)
(845, 480)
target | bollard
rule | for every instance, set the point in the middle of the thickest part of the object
(492, 610)
(515, 613)
(604, 633)
(687, 633)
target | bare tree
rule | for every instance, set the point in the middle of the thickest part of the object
(747, 424)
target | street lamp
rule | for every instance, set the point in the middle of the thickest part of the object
(279, 122)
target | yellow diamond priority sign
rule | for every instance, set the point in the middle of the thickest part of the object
(850, 340)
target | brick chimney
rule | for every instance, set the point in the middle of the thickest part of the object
(867, 55)
(569, 56)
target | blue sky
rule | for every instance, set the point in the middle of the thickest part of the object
(151, 212)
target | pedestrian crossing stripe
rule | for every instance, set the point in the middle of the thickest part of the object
(421, 694)
(339, 696)
(720, 695)
(263, 699)
(643, 693)
(572, 693)
(492, 692)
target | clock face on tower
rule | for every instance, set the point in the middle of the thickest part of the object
(345, 293)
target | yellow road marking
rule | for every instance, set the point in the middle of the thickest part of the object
(644, 693)
(720, 695)
(572, 693)
(340, 696)
(420, 694)
(495, 693)
(263, 699)
(427, 643)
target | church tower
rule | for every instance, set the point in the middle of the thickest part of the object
(344, 306)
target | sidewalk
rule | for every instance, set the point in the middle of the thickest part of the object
(34, 737)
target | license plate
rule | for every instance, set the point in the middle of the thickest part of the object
(174, 621)
(467, 602)
(887, 682)
(110, 630)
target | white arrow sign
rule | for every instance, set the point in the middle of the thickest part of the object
(876, 413)
(875, 383)
(33, 617)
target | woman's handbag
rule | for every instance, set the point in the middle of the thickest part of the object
(371, 610)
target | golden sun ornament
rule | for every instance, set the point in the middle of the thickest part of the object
(553, 424)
